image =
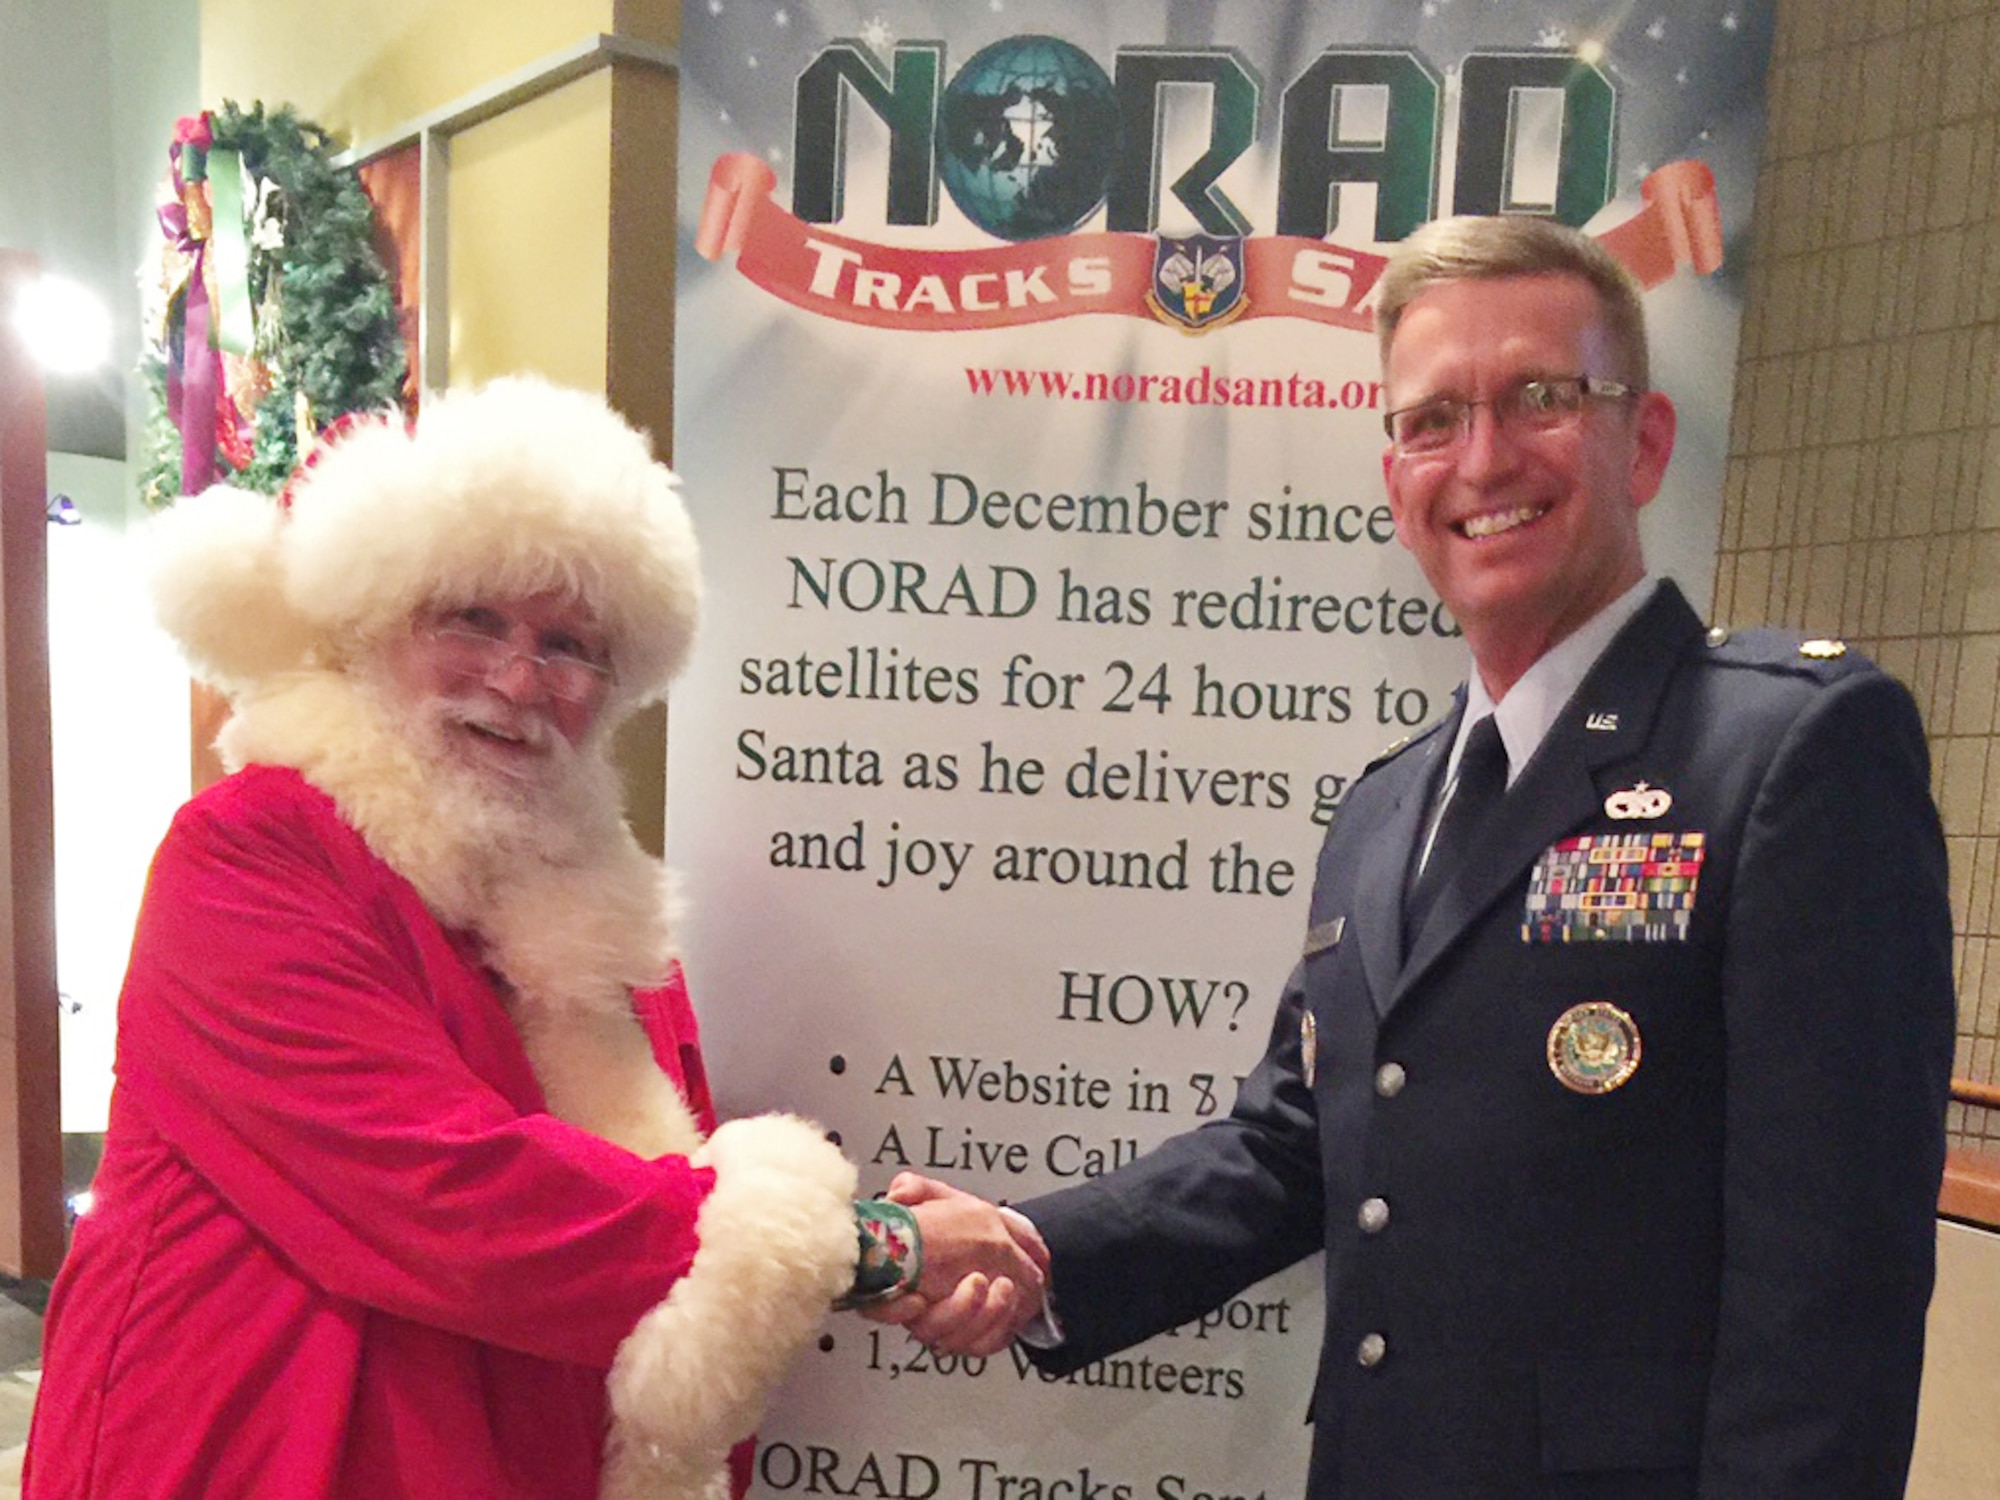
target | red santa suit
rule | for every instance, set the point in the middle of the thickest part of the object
(412, 1185)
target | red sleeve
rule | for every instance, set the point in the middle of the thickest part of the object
(290, 1040)
(668, 1017)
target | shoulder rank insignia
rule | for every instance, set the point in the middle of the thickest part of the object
(1324, 936)
(1823, 650)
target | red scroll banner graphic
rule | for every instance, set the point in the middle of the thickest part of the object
(889, 286)
(1681, 225)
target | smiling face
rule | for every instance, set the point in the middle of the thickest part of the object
(499, 681)
(1524, 534)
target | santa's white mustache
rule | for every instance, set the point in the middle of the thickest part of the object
(533, 734)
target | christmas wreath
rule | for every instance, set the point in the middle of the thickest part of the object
(275, 316)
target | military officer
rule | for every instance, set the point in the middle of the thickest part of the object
(1611, 1075)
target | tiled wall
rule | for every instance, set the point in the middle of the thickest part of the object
(1863, 493)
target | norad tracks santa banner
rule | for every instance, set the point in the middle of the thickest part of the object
(1029, 412)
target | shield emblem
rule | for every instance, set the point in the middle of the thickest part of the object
(1197, 280)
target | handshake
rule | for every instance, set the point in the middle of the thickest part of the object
(980, 1271)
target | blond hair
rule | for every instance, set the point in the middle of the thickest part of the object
(1473, 248)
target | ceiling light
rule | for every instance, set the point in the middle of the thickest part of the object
(65, 325)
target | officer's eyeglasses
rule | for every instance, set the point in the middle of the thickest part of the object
(475, 643)
(1547, 403)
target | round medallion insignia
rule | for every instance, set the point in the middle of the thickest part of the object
(1593, 1047)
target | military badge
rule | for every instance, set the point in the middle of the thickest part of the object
(1593, 1048)
(1308, 1047)
(1823, 650)
(1197, 281)
(1641, 801)
(1615, 887)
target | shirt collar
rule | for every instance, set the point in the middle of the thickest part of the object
(1532, 704)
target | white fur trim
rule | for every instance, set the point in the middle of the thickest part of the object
(777, 1246)
(515, 488)
(215, 574)
(512, 489)
(597, 1071)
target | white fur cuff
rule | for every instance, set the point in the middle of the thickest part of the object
(777, 1246)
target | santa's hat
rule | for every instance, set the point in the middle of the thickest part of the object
(512, 489)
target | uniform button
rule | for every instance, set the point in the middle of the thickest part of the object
(1389, 1080)
(1368, 1354)
(1374, 1215)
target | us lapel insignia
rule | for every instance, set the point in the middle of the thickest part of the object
(1641, 801)
(1308, 1047)
(1593, 1048)
(1601, 723)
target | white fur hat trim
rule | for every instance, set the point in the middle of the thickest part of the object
(516, 488)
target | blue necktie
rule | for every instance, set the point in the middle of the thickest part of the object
(1481, 783)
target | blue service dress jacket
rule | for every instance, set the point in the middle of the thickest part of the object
(1626, 1172)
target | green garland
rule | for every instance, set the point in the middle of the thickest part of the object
(324, 309)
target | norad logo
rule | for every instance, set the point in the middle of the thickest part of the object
(1032, 138)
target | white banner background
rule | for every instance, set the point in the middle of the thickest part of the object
(860, 945)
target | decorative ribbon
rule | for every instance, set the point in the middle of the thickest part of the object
(194, 370)
(894, 286)
(1034, 282)
(235, 327)
(1681, 225)
(204, 222)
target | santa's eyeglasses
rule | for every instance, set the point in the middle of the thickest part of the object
(475, 643)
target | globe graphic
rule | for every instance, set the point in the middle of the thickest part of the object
(1030, 135)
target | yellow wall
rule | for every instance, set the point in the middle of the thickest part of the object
(530, 247)
(362, 68)
(529, 190)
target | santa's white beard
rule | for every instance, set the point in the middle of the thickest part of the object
(538, 863)
(552, 809)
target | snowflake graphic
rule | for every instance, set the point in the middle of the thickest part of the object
(1034, 133)
(782, 18)
(1731, 21)
(1552, 36)
(1681, 77)
(1658, 30)
(715, 7)
(877, 37)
